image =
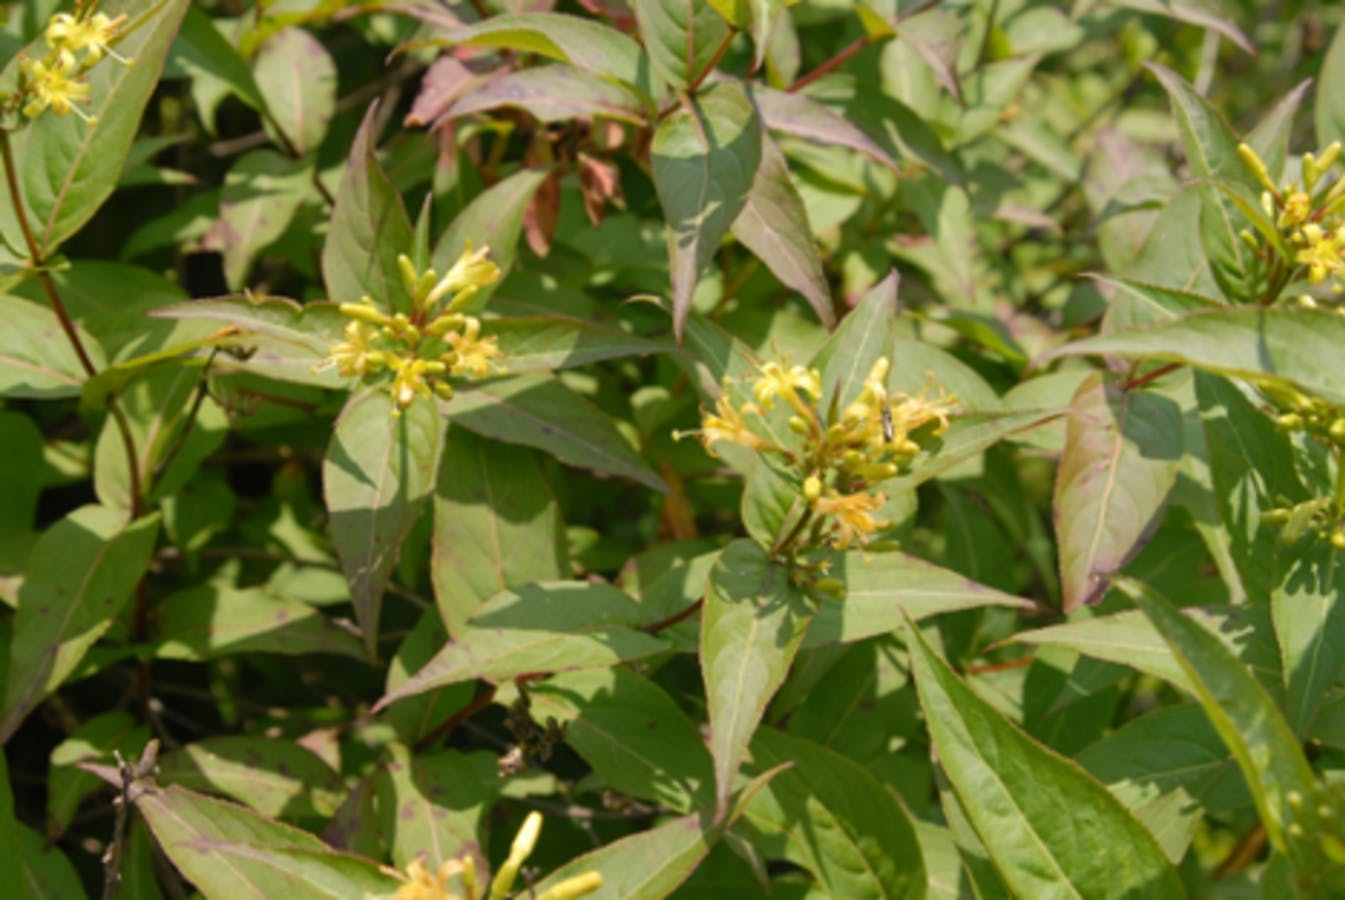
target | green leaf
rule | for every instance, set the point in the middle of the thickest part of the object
(276, 778)
(752, 624)
(416, 718)
(547, 343)
(1194, 12)
(68, 785)
(553, 94)
(261, 194)
(79, 575)
(1270, 137)
(496, 525)
(582, 43)
(226, 850)
(1281, 343)
(369, 229)
(36, 358)
(1168, 757)
(1049, 827)
(774, 226)
(1134, 304)
(704, 158)
(1241, 711)
(202, 50)
(681, 38)
(297, 76)
(282, 339)
(68, 168)
(1329, 106)
(1122, 451)
(44, 871)
(802, 116)
(431, 804)
(543, 413)
(1131, 640)
(553, 627)
(377, 474)
(968, 436)
(648, 864)
(9, 826)
(493, 219)
(23, 456)
(864, 335)
(210, 621)
(830, 815)
(631, 733)
(881, 589)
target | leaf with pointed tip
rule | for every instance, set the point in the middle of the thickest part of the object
(1270, 137)
(801, 116)
(774, 226)
(36, 359)
(1245, 716)
(681, 38)
(431, 804)
(274, 777)
(1133, 304)
(968, 436)
(1329, 107)
(377, 474)
(752, 624)
(297, 76)
(547, 343)
(543, 413)
(881, 589)
(210, 621)
(830, 815)
(369, 229)
(261, 194)
(68, 167)
(704, 158)
(551, 627)
(1049, 826)
(226, 850)
(1122, 451)
(1193, 12)
(552, 94)
(864, 335)
(496, 525)
(1281, 343)
(79, 575)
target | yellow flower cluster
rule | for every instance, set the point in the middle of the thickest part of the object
(75, 44)
(421, 884)
(1310, 216)
(844, 457)
(434, 342)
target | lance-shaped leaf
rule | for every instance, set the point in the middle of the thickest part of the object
(493, 219)
(274, 777)
(1049, 827)
(1131, 640)
(79, 575)
(968, 436)
(553, 627)
(496, 525)
(431, 804)
(774, 226)
(1281, 343)
(208, 57)
(632, 733)
(226, 850)
(1328, 113)
(705, 156)
(68, 167)
(682, 38)
(1122, 450)
(36, 358)
(297, 76)
(882, 588)
(553, 94)
(1241, 711)
(583, 43)
(864, 335)
(377, 474)
(752, 625)
(369, 229)
(211, 620)
(279, 338)
(1193, 12)
(260, 196)
(547, 343)
(543, 413)
(829, 814)
(801, 116)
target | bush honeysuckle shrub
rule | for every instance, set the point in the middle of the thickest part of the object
(349, 521)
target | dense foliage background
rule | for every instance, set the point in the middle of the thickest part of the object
(799, 448)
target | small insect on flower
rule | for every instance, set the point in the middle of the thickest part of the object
(889, 432)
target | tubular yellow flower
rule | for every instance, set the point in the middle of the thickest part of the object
(519, 851)
(777, 381)
(854, 516)
(473, 271)
(911, 412)
(1321, 252)
(52, 84)
(409, 381)
(726, 423)
(578, 886)
(92, 35)
(473, 355)
(354, 356)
